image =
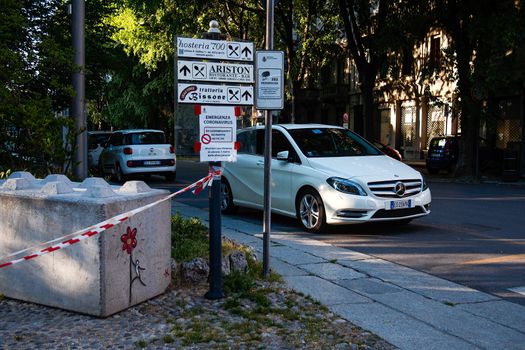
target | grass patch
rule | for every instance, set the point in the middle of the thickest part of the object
(168, 339)
(189, 238)
(141, 344)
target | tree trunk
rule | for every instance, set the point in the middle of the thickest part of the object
(367, 90)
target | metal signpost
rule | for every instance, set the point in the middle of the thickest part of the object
(217, 124)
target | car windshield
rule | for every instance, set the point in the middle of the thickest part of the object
(145, 138)
(328, 142)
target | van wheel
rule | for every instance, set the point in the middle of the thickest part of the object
(121, 178)
(227, 206)
(310, 210)
(101, 170)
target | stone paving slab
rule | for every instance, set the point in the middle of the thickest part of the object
(325, 292)
(500, 311)
(332, 271)
(399, 329)
(430, 286)
(318, 248)
(285, 269)
(293, 256)
(449, 319)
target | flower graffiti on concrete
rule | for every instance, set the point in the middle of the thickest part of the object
(129, 240)
(129, 243)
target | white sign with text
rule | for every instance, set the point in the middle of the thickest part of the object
(218, 128)
(215, 94)
(215, 71)
(214, 49)
(270, 77)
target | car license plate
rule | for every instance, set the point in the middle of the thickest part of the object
(403, 204)
(152, 162)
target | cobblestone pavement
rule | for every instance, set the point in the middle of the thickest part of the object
(183, 319)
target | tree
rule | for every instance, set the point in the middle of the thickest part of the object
(307, 31)
(480, 46)
(32, 89)
(367, 32)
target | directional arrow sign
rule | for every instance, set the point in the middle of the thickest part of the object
(215, 72)
(215, 94)
(215, 49)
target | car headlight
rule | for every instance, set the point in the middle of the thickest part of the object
(346, 186)
(424, 180)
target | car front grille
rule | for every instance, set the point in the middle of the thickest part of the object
(398, 213)
(387, 189)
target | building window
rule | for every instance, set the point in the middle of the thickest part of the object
(435, 51)
(407, 67)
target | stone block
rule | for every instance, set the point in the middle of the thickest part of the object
(101, 275)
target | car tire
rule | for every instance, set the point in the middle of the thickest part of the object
(120, 177)
(101, 170)
(170, 176)
(310, 210)
(227, 206)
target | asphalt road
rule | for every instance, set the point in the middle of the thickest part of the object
(474, 236)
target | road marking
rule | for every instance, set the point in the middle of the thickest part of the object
(516, 258)
(519, 290)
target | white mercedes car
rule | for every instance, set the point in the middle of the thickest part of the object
(323, 174)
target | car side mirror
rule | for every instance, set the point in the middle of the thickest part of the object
(283, 155)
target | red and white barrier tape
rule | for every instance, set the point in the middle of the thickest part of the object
(75, 237)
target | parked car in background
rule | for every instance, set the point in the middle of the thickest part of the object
(388, 150)
(96, 141)
(323, 174)
(443, 152)
(137, 152)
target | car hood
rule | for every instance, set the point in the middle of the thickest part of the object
(375, 168)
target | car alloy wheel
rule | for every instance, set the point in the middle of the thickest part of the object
(120, 175)
(311, 211)
(227, 205)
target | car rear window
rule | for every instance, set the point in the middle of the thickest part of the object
(144, 138)
(438, 143)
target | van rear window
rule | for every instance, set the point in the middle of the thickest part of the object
(145, 138)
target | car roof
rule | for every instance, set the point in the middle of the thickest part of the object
(297, 126)
(131, 131)
(99, 132)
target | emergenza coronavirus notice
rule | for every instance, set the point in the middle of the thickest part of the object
(218, 127)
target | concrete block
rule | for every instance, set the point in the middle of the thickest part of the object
(101, 275)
